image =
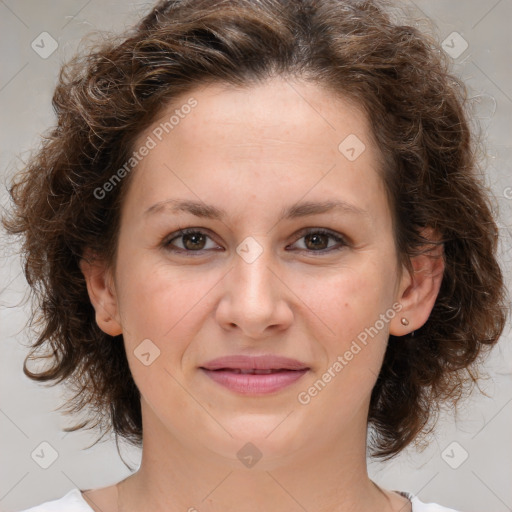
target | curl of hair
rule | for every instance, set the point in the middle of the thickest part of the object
(107, 97)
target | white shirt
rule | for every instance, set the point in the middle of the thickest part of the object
(73, 501)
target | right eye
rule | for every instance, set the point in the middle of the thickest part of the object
(192, 240)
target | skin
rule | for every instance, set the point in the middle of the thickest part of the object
(253, 152)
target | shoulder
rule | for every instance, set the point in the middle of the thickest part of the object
(73, 501)
(420, 506)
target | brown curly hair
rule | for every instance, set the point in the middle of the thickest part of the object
(106, 97)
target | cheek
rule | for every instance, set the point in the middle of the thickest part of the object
(351, 306)
(352, 301)
(355, 341)
(161, 312)
(161, 302)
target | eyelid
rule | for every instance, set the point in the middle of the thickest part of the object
(185, 231)
(338, 237)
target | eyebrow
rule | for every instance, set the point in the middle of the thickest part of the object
(203, 210)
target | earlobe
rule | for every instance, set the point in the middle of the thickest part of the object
(419, 289)
(102, 295)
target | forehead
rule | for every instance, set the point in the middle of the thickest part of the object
(275, 112)
(293, 133)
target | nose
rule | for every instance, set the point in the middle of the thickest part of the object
(255, 299)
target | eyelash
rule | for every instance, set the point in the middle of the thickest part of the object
(167, 243)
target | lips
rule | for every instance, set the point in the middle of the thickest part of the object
(256, 375)
(252, 372)
(255, 364)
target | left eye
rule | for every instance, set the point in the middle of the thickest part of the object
(194, 240)
(319, 240)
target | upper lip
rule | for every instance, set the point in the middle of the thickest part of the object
(264, 362)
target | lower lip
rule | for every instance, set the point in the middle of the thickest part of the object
(251, 384)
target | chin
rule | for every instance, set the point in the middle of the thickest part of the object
(259, 441)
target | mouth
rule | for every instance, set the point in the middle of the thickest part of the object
(254, 382)
(254, 375)
(265, 363)
(252, 371)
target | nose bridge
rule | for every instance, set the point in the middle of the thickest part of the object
(253, 299)
(253, 282)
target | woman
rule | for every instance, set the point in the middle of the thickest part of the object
(256, 231)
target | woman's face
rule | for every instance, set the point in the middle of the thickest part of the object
(292, 255)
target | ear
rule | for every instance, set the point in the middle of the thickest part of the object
(418, 290)
(102, 294)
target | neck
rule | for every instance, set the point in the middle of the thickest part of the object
(177, 476)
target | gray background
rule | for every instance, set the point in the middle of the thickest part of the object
(28, 413)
